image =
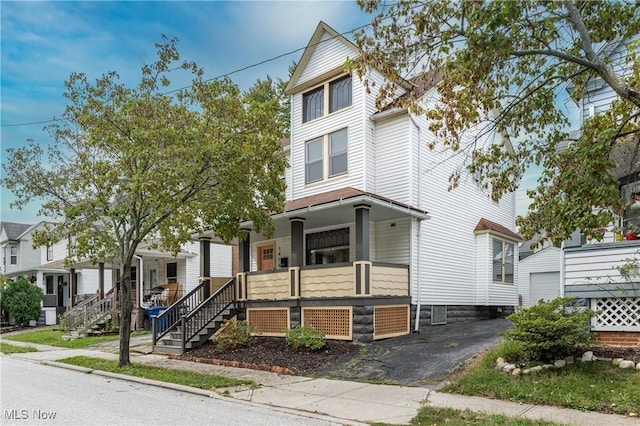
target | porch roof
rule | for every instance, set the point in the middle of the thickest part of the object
(331, 207)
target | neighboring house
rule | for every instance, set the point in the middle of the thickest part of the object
(371, 243)
(66, 285)
(539, 276)
(589, 268)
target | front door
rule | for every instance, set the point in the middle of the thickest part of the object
(266, 257)
(60, 291)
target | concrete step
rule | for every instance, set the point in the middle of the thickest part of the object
(165, 349)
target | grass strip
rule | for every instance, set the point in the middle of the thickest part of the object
(6, 348)
(434, 416)
(590, 386)
(181, 377)
(54, 338)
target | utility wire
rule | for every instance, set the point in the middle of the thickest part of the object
(254, 65)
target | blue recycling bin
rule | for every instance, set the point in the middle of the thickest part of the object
(153, 312)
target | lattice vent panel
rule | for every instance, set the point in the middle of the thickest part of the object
(335, 323)
(390, 321)
(269, 322)
(617, 313)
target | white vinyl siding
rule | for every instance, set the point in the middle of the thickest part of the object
(392, 241)
(328, 54)
(392, 153)
(597, 267)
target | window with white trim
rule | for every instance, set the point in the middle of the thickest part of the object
(502, 261)
(332, 96)
(326, 156)
(49, 253)
(13, 255)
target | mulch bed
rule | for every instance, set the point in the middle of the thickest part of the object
(273, 354)
(628, 353)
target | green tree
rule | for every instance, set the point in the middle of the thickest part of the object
(149, 164)
(502, 65)
(21, 300)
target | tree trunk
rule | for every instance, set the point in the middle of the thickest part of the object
(125, 312)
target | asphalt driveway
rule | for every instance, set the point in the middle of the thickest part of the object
(424, 358)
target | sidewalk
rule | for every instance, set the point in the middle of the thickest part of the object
(344, 401)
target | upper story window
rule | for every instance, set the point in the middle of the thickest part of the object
(313, 104)
(332, 96)
(502, 261)
(49, 252)
(326, 156)
(13, 255)
(340, 94)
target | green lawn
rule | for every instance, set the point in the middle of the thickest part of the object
(594, 386)
(6, 348)
(187, 378)
(432, 416)
(53, 337)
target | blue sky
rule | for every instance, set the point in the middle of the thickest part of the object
(42, 43)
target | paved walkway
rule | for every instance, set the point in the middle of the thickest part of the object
(341, 401)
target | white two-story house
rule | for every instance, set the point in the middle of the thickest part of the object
(371, 243)
(590, 269)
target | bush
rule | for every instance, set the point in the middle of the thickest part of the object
(21, 300)
(305, 338)
(233, 335)
(512, 351)
(550, 330)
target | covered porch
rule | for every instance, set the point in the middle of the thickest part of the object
(339, 261)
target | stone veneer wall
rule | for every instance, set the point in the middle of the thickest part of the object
(461, 314)
(618, 338)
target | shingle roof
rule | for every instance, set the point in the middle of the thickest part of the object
(340, 194)
(487, 225)
(14, 230)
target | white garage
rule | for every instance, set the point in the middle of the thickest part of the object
(539, 276)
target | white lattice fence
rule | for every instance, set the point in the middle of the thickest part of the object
(616, 314)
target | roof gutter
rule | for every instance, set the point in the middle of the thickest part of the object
(360, 199)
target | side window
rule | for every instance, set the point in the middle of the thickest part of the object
(502, 261)
(13, 260)
(313, 104)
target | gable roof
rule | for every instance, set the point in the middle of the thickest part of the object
(14, 230)
(315, 40)
(485, 225)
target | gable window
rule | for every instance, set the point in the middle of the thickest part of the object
(502, 261)
(340, 94)
(13, 255)
(326, 156)
(332, 96)
(313, 104)
(49, 252)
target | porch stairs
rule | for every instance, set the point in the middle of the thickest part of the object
(90, 315)
(192, 320)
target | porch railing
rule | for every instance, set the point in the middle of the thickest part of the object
(196, 320)
(171, 317)
(72, 317)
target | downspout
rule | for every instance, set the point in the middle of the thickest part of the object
(416, 326)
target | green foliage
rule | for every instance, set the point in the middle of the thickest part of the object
(153, 163)
(233, 335)
(182, 377)
(305, 338)
(21, 300)
(503, 68)
(593, 386)
(52, 337)
(550, 330)
(434, 416)
(8, 349)
(513, 351)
